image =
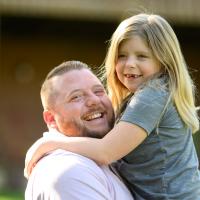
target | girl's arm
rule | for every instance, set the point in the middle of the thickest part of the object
(121, 140)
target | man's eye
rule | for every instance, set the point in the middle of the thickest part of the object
(99, 92)
(76, 98)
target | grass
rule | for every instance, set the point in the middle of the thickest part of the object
(11, 195)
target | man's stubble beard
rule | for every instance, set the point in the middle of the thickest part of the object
(86, 132)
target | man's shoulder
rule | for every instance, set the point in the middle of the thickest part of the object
(74, 177)
(62, 156)
(68, 165)
(69, 175)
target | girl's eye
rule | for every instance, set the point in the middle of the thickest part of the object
(121, 56)
(141, 56)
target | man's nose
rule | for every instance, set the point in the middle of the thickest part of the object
(92, 99)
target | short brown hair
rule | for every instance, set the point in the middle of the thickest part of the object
(47, 92)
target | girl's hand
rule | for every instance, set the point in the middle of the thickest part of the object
(41, 147)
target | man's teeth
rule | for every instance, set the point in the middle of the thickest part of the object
(94, 116)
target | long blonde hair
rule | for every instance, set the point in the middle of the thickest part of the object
(161, 39)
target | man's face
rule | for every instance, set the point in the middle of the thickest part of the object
(82, 107)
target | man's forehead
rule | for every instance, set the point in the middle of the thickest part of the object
(84, 88)
(77, 80)
(83, 73)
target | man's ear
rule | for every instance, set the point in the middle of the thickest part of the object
(49, 119)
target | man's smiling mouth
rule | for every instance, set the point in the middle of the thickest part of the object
(93, 116)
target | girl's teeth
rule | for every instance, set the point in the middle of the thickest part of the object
(132, 75)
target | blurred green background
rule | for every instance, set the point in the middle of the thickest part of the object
(11, 195)
(37, 35)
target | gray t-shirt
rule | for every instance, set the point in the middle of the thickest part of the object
(165, 165)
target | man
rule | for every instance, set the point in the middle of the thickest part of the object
(75, 104)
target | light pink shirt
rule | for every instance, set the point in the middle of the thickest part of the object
(63, 175)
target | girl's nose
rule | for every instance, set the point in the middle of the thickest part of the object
(131, 62)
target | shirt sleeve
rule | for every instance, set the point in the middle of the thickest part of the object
(145, 108)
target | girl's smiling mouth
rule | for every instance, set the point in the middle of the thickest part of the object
(132, 75)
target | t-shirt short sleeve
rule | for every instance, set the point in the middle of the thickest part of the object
(145, 108)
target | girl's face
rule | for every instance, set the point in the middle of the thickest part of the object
(135, 63)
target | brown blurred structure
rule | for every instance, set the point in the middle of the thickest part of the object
(37, 35)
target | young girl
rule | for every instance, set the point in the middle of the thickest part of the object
(150, 87)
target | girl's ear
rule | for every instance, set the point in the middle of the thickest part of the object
(49, 119)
